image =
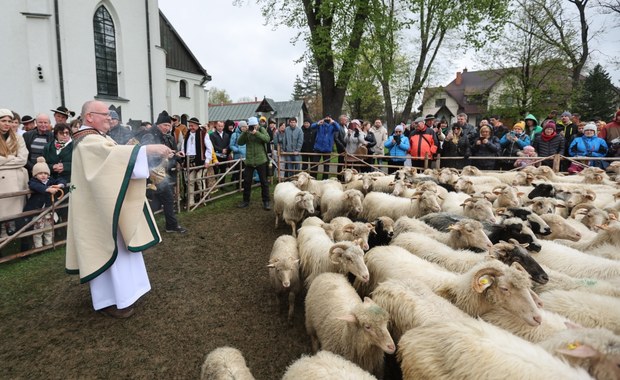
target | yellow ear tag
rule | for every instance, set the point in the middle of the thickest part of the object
(572, 346)
(483, 281)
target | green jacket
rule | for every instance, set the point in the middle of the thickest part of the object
(536, 129)
(256, 154)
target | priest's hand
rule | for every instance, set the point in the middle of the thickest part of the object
(159, 150)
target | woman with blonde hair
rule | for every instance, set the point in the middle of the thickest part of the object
(13, 175)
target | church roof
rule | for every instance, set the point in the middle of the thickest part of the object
(178, 55)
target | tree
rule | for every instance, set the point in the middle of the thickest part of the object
(598, 96)
(217, 96)
(363, 100)
(610, 6)
(298, 89)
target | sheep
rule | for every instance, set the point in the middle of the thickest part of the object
(542, 189)
(470, 170)
(467, 348)
(561, 281)
(542, 205)
(534, 221)
(485, 286)
(284, 271)
(382, 233)
(560, 228)
(383, 184)
(593, 216)
(463, 185)
(345, 229)
(507, 196)
(348, 175)
(318, 254)
(325, 365)
(479, 209)
(608, 235)
(596, 350)
(460, 261)
(337, 320)
(336, 202)
(448, 175)
(318, 222)
(379, 204)
(225, 363)
(523, 178)
(464, 234)
(410, 303)
(587, 309)
(291, 204)
(575, 263)
(305, 182)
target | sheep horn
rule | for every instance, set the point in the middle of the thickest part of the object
(581, 206)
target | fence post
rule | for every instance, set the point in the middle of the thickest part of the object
(556, 162)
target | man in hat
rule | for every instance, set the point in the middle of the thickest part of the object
(163, 195)
(198, 150)
(110, 222)
(255, 138)
(37, 139)
(423, 142)
(28, 124)
(117, 131)
(61, 114)
(468, 129)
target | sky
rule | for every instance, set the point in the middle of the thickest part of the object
(247, 58)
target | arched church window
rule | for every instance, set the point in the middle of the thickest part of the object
(183, 89)
(105, 53)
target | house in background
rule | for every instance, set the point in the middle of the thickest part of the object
(278, 111)
(471, 92)
(125, 53)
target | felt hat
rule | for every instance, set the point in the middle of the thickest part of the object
(175, 117)
(194, 120)
(40, 167)
(418, 120)
(63, 111)
(6, 112)
(27, 119)
(163, 118)
(429, 117)
(590, 127)
(114, 115)
(253, 121)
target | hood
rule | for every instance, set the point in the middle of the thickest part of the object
(532, 117)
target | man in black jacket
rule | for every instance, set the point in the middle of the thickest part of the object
(221, 145)
(37, 139)
(308, 146)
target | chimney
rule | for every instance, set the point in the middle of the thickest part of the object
(459, 78)
(255, 99)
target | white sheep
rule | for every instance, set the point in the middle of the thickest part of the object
(336, 202)
(347, 230)
(560, 228)
(608, 235)
(318, 222)
(379, 204)
(507, 196)
(225, 363)
(410, 303)
(319, 254)
(561, 281)
(575, 263)
(587, 309)
(337, 320)
(467, 348)
(291, 204)
(551, 324)
(464, 234)
(487, 285)
(596, 350)
(284, 271)
(325, 365)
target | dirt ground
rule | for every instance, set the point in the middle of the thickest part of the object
(209, 289)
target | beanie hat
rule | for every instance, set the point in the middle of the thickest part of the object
(355, 121)
(566, 113)
(163, 118)
(253, 121)
(529, 149)
(263, 118)
(590, 127)
(40, 167)
(5, 112)
(550, 124)
(520, 124)
(399, 128)
(242, 124)
(114, 115)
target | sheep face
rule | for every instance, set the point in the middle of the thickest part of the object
(542, 206)
(542, 190)
(471, 170)
(469, 234)
(523, 178)
(513, 252)
(350, 257)
(354, 199)
(305, 201)
(507, 196)
(509, 288)
(514, 228)
(385, 224)
(302, 181)
(479, 209)
(284, 270)
(448, 176)
(428, 203)
(560, 228)
(348, 175)
(359, 232)
(577, 197)
(372, 320)
(537, 224)
(463, 185)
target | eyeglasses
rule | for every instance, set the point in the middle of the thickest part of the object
(64, 133)
(107, 114)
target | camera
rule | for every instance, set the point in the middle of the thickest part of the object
(250, 128)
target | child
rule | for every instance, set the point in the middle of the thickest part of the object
(42, 187)
(527, 155)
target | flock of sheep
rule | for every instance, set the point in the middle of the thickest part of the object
(460, 275)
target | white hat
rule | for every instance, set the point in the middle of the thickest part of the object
(590, 127)
(5, 112)
(40, 167)
(253, 121)
(399, 128)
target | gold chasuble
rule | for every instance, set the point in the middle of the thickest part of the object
(104, 201)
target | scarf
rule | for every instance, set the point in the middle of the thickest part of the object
(546, 138)
(59, 144)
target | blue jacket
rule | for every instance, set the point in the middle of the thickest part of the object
(397, 151)
(293, 139)
(510, 148)
(325, 136)
(238, 150)
(588, 147)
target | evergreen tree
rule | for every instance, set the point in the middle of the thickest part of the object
(298, 89)
(598, 95)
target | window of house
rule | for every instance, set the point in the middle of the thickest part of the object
(440, 102)
(105, 53)
(183, 89)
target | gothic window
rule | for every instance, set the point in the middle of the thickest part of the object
(105, 53)
(183, 89)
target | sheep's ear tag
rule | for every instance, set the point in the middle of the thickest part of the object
(483, 281)
(573, 345)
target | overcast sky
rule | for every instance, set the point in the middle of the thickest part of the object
(248, 59)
